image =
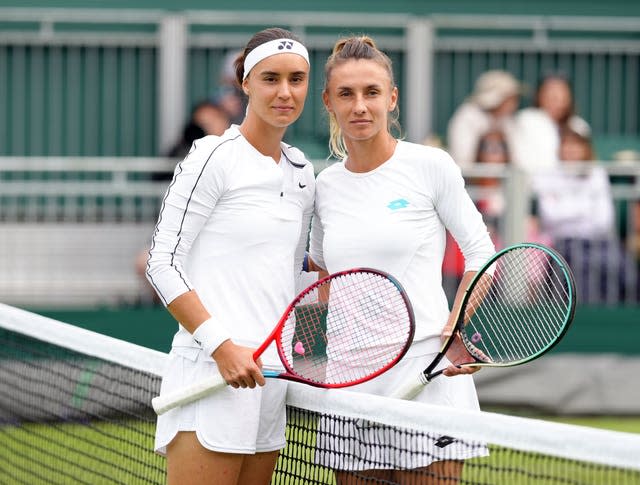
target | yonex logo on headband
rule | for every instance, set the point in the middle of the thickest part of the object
(273, 47)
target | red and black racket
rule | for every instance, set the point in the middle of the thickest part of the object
(344, 329)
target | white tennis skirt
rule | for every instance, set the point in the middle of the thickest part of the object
(230, 420)
(357, 444)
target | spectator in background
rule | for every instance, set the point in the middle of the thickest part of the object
(575, 207)
(492, 149)
(575, 200)
(491, 107)
(536, 136)
(206, 118)
(634, 238)
(228, 94)
(633, 246)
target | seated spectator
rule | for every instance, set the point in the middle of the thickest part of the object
(634, 238)
(633, 246)
(492, 149)
(575, 207)
(536, 134)
(228, 94)
(206, 118)
(575, 199)
(490, 107)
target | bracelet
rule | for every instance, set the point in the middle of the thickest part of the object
(305, 262)
(210, 334)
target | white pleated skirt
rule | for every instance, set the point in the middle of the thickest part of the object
(357, 444)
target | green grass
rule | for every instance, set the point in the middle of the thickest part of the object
(92, 453)
(613, 423)
(627, 424)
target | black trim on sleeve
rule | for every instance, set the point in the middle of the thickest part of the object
(184, 214)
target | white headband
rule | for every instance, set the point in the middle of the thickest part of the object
(271, 48)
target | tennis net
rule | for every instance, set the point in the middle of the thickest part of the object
(75, 409)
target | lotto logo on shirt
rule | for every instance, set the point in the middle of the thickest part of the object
(397, 204)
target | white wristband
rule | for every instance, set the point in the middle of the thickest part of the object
(210, 334)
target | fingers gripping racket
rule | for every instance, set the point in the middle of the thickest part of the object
(517, 307)
(342, 330)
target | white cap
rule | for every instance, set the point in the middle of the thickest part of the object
(493, 87)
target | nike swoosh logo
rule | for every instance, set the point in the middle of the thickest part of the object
(301, 186)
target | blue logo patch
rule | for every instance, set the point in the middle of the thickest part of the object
(397, 204)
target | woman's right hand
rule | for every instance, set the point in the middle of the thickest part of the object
(237, 367)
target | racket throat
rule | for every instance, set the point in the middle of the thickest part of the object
(427, 378)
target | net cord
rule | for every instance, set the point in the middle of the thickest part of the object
(83, 341)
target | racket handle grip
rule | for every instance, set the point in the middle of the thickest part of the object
(411, 388)
(165, 402)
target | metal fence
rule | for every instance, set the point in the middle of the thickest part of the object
(73, 228)
(106, 82)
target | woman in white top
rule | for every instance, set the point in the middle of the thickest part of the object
(226, 250)
(576, 208)
(386, 205)
(535, 138)
(575, 200)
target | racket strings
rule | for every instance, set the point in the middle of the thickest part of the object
(345, 329)
(533, 336)
(487, 313)
(519, 311)
(510, 316)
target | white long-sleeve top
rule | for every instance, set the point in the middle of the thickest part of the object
(573, 205)
(234, 227)
(393, 218)
(534, 142)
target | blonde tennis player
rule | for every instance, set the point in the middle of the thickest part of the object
(386, 205)
(226, 250)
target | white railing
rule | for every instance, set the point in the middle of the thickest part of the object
(89, 189)
(72, 228)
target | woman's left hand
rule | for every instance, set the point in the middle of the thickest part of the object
(458, 355)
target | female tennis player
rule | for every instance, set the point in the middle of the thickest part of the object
(386, 206)
(231, 233)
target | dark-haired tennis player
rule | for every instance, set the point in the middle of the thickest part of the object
(227, 247)
(386, 206)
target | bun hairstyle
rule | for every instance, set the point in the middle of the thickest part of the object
(356, 48)
(273, 33)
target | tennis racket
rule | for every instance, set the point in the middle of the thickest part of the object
(343, 330)
(516, 308)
